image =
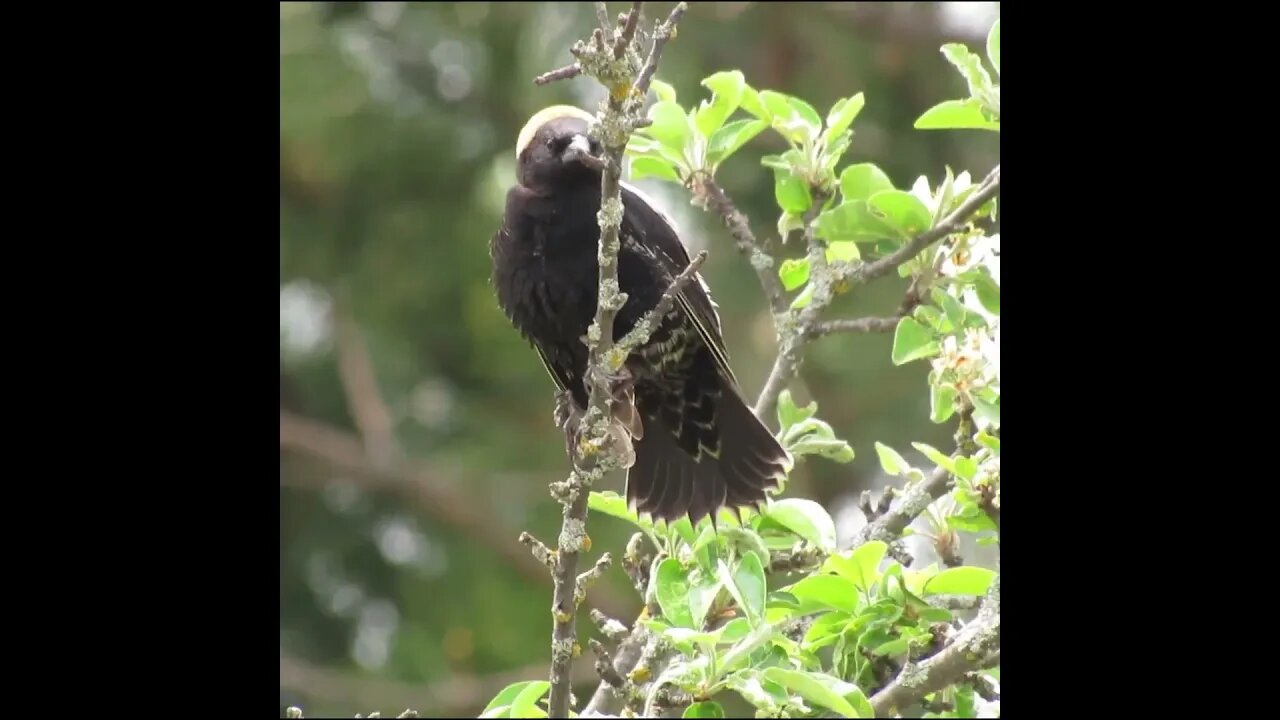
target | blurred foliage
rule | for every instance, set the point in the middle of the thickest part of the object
(397, 123)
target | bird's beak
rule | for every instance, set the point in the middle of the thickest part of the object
(579, 151)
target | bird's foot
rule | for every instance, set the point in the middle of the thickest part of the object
(568, 417)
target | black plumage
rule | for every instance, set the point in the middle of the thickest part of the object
(698, 447)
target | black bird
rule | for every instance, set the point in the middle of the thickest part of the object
(698, 448)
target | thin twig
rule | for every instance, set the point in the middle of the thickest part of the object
(889, 526)
(969, 651)
(861, 325)
(628, 30)
(564, 73)
(652, 319)
(792, 333)
(604, 665)
(859, 274)
(661, 35)
(541, 552)
(756, 252)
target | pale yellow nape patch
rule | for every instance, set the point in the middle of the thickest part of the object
(546, 115)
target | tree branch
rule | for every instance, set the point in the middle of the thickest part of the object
(360, 384)
(970, 650)
(791, 330)
(861, 325)
(860, 274)
(419, 483)
(601, 449)
(652, 319)
(889, 526)
(712, 196)
(794, 330)
(568, 71)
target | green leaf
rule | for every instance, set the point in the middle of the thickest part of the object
(993, 46)
(860, 566)
(611, 503)
(807, 519)
(787, 222)
(938, 457)
(743, 541)
(966, 467)
(794, 272)
(842, 251)
(790, 117)
(670, 125)
(825, 630)
(974, 520)
(902, 211)
(673, 593)
(970, 66)
(954, 310)
(789, 413)
(861, 181)
(812, 688)
(965, 580)
(509, 694)
(747, 684)
(752, 103)
(852, 221)
(776, 105)
(702, 594)
(705, 709)
(791, 192)
(525, 704)
(644, 146)
(802, 300)
(664, 91)
(942, 402)
(825, 591)
(747, 586)
(811, 425)
(684, 530)
(988, 411)
(893, 647)
(988, 293)
(727, 95)
(956, 115)
(990, 441)
(830, 448)
(912, 341)
(729, 139)
(843, 113)
(643, 167)
(890, 460)
(835, 149)
(808, 113)
(930, 315)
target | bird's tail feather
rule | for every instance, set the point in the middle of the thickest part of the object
(667, 483)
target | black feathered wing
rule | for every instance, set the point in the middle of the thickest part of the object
(711, 452)
(695, 298)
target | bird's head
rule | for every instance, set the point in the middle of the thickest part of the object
(554, 149)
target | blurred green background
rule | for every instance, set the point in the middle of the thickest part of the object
(415, 426)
